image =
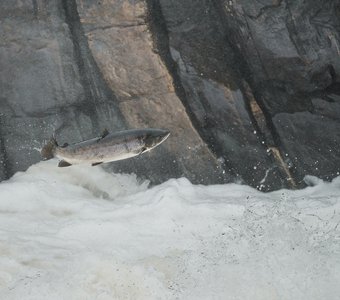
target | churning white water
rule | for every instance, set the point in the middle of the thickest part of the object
(81, 233)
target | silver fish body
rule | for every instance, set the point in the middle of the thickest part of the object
(108, 147)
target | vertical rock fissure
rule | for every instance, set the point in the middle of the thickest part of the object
(96, 89)
(261, 118)
(160, 35)
(263, 121)
(275, 148)
(4, 162)
(35, 8)
(155, 21)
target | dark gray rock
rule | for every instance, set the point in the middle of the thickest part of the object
(249, 89)
(42, 83)
(276, 54)
(312, 139)
(290, 53)
(214, 91)
(290, 48)
(52, 72)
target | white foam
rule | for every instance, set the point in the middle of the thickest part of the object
(81, 233)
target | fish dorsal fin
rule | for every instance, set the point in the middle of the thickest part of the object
(105, 133)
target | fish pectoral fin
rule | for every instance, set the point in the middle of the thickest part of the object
(64, 163)
(97, 163)
(65, 145)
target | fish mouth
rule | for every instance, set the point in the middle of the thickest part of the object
(164, 136)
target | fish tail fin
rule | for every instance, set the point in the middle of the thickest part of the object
(47, 152)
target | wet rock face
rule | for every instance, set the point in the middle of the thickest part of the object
(77, 67)
(249, 89)
(291, 51)
(43, 83)
(213, 89)
(281, 59)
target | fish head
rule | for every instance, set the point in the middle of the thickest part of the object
(154, 137)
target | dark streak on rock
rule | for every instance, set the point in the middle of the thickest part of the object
(116, 26)
(160, 35)
(5, 166)
(35, 8)
(264, 125)
(264, 9)
(96, 89)
(293, 34)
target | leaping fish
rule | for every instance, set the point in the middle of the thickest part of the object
(105, 148)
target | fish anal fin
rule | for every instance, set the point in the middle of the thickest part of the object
(64, 163)
(97, 163)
